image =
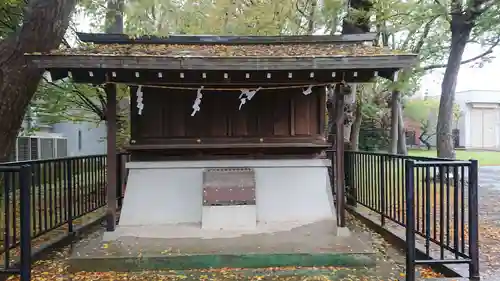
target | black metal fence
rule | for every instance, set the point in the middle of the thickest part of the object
(16, 225)
(442, 208)
(435, 200)
(46, 195)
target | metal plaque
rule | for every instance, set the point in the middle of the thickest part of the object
(226, 187)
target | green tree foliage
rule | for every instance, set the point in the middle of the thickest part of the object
(10, 16)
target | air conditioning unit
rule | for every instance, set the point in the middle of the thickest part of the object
(39, 148)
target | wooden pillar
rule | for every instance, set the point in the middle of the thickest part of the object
(339, 160)
(111, 156)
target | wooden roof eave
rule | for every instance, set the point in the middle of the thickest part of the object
(222, 63)
(106, 38)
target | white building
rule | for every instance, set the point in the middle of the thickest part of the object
(479, 123)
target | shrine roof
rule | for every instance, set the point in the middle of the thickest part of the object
(116, 51)
(227, 46)
(215, 50)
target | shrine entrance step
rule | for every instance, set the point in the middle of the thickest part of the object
(310, 245)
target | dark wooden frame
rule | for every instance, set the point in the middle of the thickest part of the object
(220, 78)
(111, 159)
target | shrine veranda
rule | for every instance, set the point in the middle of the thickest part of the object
(227, 133)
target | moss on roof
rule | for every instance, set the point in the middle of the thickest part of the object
(268, 50)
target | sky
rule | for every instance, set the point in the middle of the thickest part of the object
(469, 78)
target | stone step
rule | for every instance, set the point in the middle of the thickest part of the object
(185, 262)
(289, 274)
(309, 245)
(281, 273)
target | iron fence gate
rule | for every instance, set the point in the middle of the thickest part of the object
(435, 201)
(442, 214)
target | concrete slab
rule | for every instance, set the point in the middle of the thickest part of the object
(229, 217)
(311, 245)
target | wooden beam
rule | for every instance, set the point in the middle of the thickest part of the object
(339, 160)
(106, 38)
(195, 78)
(111, 159)
(224, 146)
(222, 63)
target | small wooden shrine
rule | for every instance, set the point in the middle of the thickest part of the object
(227, 132)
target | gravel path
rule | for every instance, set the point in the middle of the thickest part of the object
(489, 222)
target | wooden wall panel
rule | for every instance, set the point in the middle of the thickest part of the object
(194, 124)
(239, 118)
(282, 113)
(314, 112)
(253, 108)
(265, 105)
(271, 113)
(177, 110)
(218, 114)
(151, 120)
(302, 109)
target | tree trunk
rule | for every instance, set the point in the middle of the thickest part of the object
(425, 141)
(114, 24)
(394, 122)
(114, 16)
(460, 33)
(311, 19)
(44, 25)
(330, 107)
(401, 132)
(349, 108)
(356, 127)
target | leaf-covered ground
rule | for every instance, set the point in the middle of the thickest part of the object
(489, 223)
(390, 267)
(56, 234)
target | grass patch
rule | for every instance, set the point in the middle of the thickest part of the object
(484, 158)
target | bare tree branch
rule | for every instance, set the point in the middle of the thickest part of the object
(478, 7)
(84, 100)
(299, 9)
(487, 52)
(425, 33)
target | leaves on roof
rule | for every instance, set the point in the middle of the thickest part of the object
(275, 50)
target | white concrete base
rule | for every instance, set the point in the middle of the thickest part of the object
(229, 217)
(343, 231)
(166, 193)
(179, 231)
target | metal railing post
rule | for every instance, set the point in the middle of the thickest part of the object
(383, 206)
(332, 175)
(69, 199)
(349, 178)
(473, 221)
(410, 220)
(119, 177)
(24, 184)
